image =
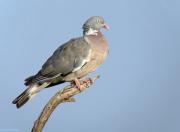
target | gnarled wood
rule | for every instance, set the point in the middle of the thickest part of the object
(64, 95)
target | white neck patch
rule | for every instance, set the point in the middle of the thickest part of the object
(91, 32)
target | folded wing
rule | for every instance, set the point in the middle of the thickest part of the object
(68, 58)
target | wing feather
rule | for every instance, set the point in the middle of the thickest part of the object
(68, 58)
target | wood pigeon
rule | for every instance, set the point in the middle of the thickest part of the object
(71, 61)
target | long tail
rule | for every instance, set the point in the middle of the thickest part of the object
(30, 92)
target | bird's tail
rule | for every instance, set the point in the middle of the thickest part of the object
(30, 92)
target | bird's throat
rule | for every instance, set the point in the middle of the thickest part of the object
(91, 31)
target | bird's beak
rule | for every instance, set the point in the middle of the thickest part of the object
(106, 26)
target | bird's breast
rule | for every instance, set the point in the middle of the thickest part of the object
(99, 52)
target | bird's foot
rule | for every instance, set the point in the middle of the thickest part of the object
(78, 84)
(91, 80)
(88, 81)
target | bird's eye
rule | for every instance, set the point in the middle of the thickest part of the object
(101, 21)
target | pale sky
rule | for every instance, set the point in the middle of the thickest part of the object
(139, 88)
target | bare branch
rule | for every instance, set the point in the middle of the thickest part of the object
(64, 95)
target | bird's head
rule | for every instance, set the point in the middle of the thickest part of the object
(93, 25)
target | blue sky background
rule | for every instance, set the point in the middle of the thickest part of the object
(139, 88)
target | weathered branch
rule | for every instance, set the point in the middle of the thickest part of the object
(64, 95)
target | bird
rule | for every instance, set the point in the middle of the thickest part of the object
(71, 61)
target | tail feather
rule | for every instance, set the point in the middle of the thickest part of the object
(28, 94)
(28, 80)
(22, 98)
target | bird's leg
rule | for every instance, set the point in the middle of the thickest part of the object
(91, 80)
(78, 84)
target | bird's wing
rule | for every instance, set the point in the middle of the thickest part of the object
(68, 58)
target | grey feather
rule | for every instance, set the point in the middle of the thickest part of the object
(66, 59)
(28, 94)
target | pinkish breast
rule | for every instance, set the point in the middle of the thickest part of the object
(99, 53)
